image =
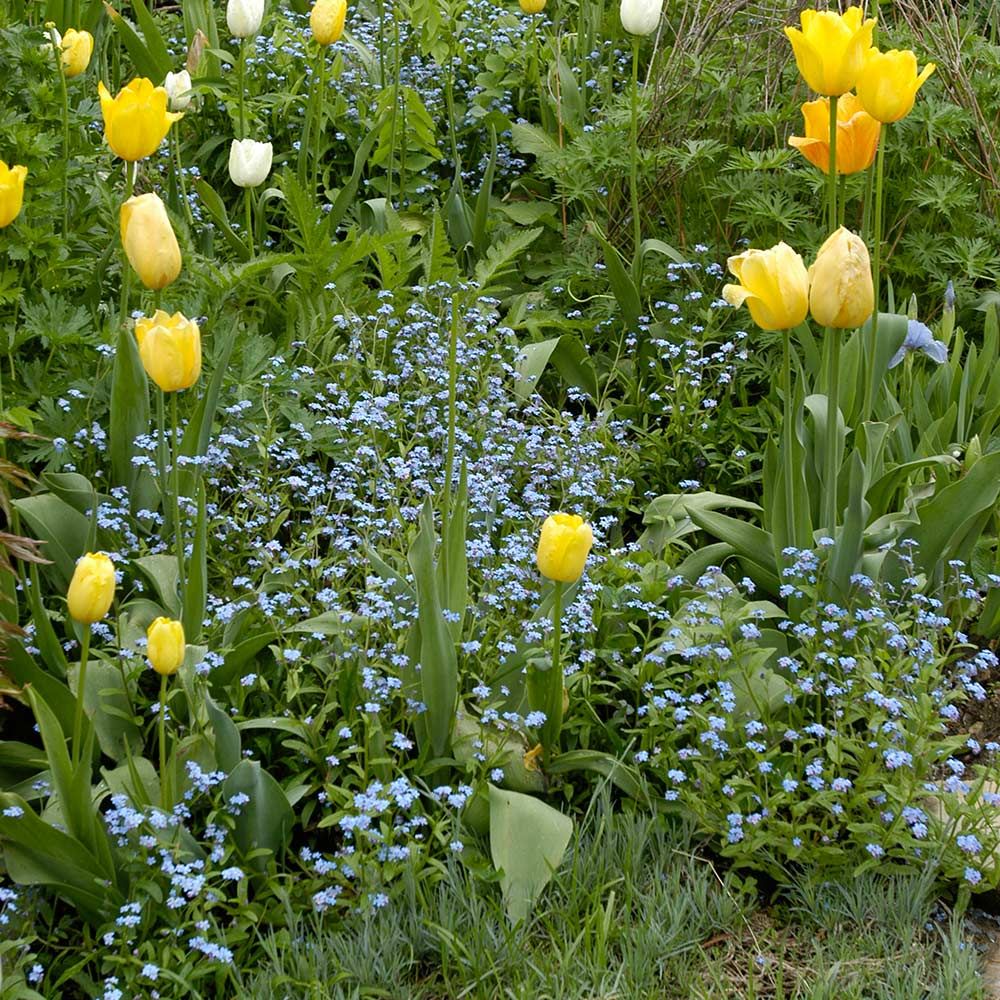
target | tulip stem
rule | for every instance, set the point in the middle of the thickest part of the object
(319, 115)
(164, 797)
(634, 162)
(126, 266)
(241, 80)
(248, 205)
(65, 137)
(175, 143)
(81, 687)
(178, 523)
(832, 427)
(876, 276)
(788, 430)
(449, 460)
(831, 190)
(554, 688)
(161, 460)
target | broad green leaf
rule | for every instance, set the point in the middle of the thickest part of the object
(129, 408)
(438, 661)
(528, 839)
(566, 353)
(62, 528)
(196, 585)
(265, 821)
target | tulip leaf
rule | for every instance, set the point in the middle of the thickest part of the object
(63, 529)
(162, 572)
(147, 62)
(196, 585)
(265, 820)
(622, 286)
(566, 354)
(129, 408)
(528, 839)
(217, 210)
(438, 661)
(481, 215)
(36, 853)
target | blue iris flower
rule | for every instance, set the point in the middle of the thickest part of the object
(920, 338)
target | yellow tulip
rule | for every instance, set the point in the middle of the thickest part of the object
(92, 588)
(327, 20)
(77, 48)
(774, 285)
(830, 48)
(137, 120)
(889, 82)
(165, 645)
(170, 348)
(11, 192)
(149, 241)
(532, 6)
(563, 547)
(840, 282)
(857, 135)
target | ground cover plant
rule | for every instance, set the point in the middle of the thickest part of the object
(455, 545)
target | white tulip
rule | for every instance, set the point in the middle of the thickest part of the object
(178, 88)
(249, 162)
(641, 17)
(244, 17)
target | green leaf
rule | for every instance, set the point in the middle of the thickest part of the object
(501, 257)
(265, 822)
(617, 771)
(196, 585)
(481, 216)
(36, 853)
(129, 408)
(454, 562)
(63, 529)
(228, 746)
(438, 661)
(569, 357)
(622, 285)
(162, 572)
(217, 210)
(527, 842)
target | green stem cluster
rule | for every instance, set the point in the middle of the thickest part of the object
(876, 275)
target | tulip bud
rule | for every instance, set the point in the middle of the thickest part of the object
(563, 547)
(170, 349)
(11, 192)
(136, 120)
(244, 17)
(532, 6)
(327, 20)
(178, 88)
(830, 49)
(149, 241)
(888, 83)
(641, 17)
(249, 162)
(92, 588)
(77, 48)
(840, 282)
(774, 285)
(165, 645)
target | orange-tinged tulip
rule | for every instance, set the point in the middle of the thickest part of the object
(857, 135)
(840, 282)
(11, 192)
(327, 20)
(92, 588)
(136, 120)
(773, 284)
(149, 240)
(830, 49)
(888, 83)
(563, 547)
(165, 645)
(77, 48)
(170, 349)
